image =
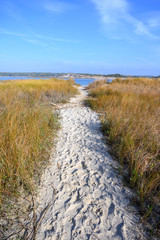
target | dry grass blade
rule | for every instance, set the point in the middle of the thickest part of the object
(27, 129)
(37, 222)
(131, 113)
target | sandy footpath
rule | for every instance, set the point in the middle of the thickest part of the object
(83, 185)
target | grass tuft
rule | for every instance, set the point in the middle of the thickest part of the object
(131, 120)
(27, 128)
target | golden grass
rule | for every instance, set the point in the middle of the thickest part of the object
(96, 84)
(27, 127)
(132, 122)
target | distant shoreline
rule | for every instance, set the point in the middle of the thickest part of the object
(73, 75)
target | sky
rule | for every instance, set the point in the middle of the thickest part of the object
(80, 36)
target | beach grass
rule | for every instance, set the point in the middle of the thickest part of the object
(131, 120)
(27, 129)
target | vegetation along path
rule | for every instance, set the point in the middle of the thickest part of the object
(81, 189)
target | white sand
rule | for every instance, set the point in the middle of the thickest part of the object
(83, 185)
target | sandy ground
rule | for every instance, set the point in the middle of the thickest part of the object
(82, 185)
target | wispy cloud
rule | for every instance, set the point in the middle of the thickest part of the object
(56, 6)
(145, 60)
(56, 39)
(153, 19)
(10, 9)
(6, 32)
(37, 39)
(117, 19)
(24, 37)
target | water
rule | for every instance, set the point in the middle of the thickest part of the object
(81, 81)
(84, 81)
(14, 78)
(109, 80)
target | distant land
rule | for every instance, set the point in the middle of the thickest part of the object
(67, 75)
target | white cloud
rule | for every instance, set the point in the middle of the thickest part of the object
(117, 19)
(25, 37)
(139, 27)
(56, 6)
(111, 11)
(37, 39)
(6, 32)
(56, 39)
(145, 60)
(154, 20)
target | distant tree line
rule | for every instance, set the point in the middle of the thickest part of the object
(28, 74)
(50, 74)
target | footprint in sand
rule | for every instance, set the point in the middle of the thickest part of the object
(90, 200)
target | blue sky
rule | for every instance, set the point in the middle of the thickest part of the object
(81, 36)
